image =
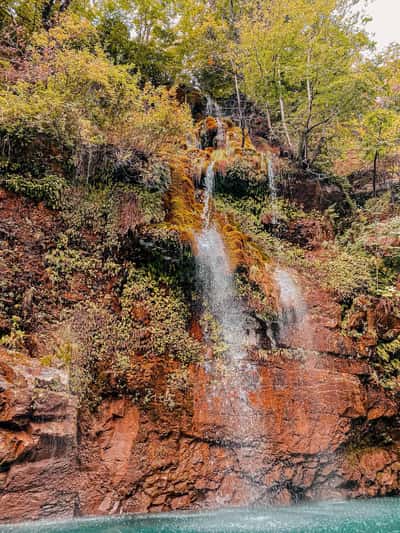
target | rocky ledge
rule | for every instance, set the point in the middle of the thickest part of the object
(311, 438)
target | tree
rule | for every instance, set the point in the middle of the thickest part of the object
(52, 9)
(69, 109)
(375, 130)
(140, 33)
(379, 134)
(302, 62)
(203, 45)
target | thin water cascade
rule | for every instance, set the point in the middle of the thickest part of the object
(294, 318)
(294, 315)
(208, 193)
(209, 106)
(213, 109)
(217, 280)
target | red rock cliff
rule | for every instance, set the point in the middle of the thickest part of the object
(322, 429)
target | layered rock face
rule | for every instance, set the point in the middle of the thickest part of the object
(38, 441)
(319, 426)
(311, 416)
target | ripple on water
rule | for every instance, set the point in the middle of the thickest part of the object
(359, 516)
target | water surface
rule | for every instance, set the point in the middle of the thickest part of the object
(360, 516)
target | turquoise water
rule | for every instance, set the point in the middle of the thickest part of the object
(361, 516)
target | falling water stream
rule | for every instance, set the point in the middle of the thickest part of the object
(232, 376)
(217, 280)
(294, 315)
(213, 109)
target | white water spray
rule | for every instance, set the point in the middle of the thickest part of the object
(213, 109)
(294, 315)
(208, 193)
(217, 280)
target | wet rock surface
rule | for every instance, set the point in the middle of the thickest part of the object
(320, 426)
(311, 413)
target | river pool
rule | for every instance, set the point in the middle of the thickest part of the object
(359, 516)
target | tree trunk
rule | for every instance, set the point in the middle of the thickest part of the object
(269, 122)
(375, 172)
(318, 149)
(240, 110)
(48, 14)
(284, 124)
(303, 149)
(283, 116)
(303, 145)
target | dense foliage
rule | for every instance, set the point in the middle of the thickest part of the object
(309, 68)
(98, 109)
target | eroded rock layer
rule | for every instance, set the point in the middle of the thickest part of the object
(321, 425)
(312, 412)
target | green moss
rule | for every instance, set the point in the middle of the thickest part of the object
(165, 317)
(48, 189)
(242, 178)
(388, 363)
(390, 351)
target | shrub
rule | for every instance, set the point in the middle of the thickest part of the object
(49, 189)
(68, 109)
(159, 317)
(346, 272)
(388, 363)
(109, 213)
(63, 262)
(241, 178)
(101, 346)
(15, 338)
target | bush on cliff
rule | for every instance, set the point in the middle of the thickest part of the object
(48, 189)
(66, 109)
(104, 345)
(241, 178)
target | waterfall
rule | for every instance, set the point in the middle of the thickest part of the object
(209, 106)
(294, 319)
(209, 191)
(217, 280)
(231, 375)
(227, 411)
(294, 313)
(213, 109)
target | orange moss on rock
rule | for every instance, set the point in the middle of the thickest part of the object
(211, 124)
(234, 137)
(242, 251)
(184, 212)
(195, 330)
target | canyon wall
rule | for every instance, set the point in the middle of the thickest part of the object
(314, 418)
(322, 427)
